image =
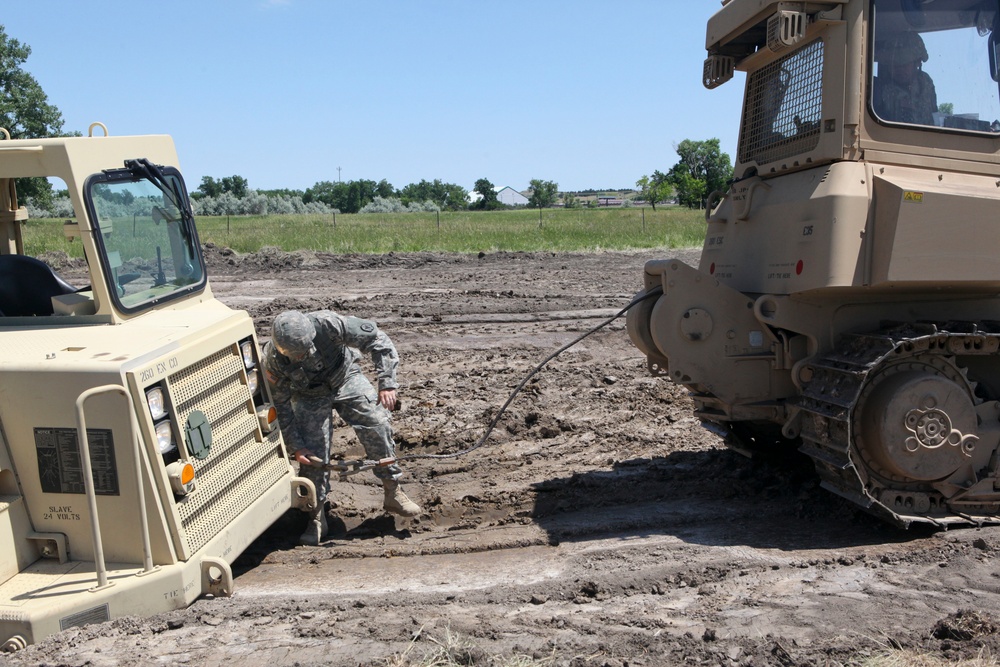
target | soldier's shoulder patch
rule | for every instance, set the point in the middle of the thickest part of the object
(368, 327)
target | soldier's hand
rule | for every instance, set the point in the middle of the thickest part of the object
(387, 398)
(302, 456)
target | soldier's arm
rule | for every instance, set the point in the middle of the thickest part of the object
(281, 395)
(365, 336)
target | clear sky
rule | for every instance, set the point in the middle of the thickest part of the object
(283, 92)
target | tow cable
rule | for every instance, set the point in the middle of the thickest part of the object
(347, 468)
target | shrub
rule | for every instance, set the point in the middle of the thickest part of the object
(394, 205)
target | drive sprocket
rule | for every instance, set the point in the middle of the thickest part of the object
(893, 423)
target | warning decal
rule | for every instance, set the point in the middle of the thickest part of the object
(60, 463)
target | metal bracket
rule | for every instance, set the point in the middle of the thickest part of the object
(53, 545)
(216, 577)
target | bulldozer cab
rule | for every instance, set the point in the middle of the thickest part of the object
(138, 232)
(826, 81)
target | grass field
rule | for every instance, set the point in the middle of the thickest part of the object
(463, 231)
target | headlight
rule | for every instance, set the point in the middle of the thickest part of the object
(253, 380)
(164, 436)
(246, 349)
(156, 402)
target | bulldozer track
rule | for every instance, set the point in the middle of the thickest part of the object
(831, 397)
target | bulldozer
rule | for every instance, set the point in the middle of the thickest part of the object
(139, 450)
(847, 299)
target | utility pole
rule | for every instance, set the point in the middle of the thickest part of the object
(338, 174)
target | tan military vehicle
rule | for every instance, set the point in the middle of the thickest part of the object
(847, 294)
(139, 455)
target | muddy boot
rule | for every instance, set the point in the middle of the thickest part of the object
(316, 528)
(396, 501)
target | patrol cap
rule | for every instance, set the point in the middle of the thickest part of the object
(902, 47)
(292, 333)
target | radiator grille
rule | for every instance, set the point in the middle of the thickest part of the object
(239, 468)
(783, 108)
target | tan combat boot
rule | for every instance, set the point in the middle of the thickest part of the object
(396, 501)
(316, 528)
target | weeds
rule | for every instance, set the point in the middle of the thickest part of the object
(454, 650)
(892, 654)
(911, 658)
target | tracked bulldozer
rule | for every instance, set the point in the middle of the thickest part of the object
(847, 299)
(139, 454)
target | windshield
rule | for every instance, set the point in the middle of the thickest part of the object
(932, 64)
(149, 248)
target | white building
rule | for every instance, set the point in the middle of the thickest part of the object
(511, 197)
(505, 195)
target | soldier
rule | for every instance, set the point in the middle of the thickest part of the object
(902, 91)
(311, 366)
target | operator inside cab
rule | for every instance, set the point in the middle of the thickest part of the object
(903, 92)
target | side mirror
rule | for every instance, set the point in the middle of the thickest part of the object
(992, 45)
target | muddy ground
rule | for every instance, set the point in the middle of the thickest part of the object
(599, 525)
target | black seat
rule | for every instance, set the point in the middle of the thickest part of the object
(27, 286)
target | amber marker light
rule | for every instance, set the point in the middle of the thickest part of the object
(181, 474)
(267, 416)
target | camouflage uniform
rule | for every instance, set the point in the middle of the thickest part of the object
(306, 392)
(913, 103)
(911, 99)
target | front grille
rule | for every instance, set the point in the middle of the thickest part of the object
(783, 109)
(239, 468)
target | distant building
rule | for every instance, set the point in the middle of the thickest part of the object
(505, 195)
(511, 197)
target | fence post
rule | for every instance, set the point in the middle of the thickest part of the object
(439, 219)
(643, 219)
(227, 224)
(539, 217)
(334, 219)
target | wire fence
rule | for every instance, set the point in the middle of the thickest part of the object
(523, 229)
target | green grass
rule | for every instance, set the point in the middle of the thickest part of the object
(464, 231)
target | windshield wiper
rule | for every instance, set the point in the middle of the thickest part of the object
(171, 188)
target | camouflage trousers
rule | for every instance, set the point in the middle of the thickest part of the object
(356, 401)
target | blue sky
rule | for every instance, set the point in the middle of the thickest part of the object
(587, 94)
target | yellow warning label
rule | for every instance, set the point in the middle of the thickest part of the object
(917, 197)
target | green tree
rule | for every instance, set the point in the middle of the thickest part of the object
(489, 201)
(448, 196)
(691, 191)
(235, 185)
(655, 188)
(24, 107)
(702, 169)
(325, 191)
(25, 111)
(349, 197)
(543, 193)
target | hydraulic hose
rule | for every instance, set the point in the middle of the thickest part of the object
(656, 291)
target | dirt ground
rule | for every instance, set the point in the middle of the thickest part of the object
(599, 525)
